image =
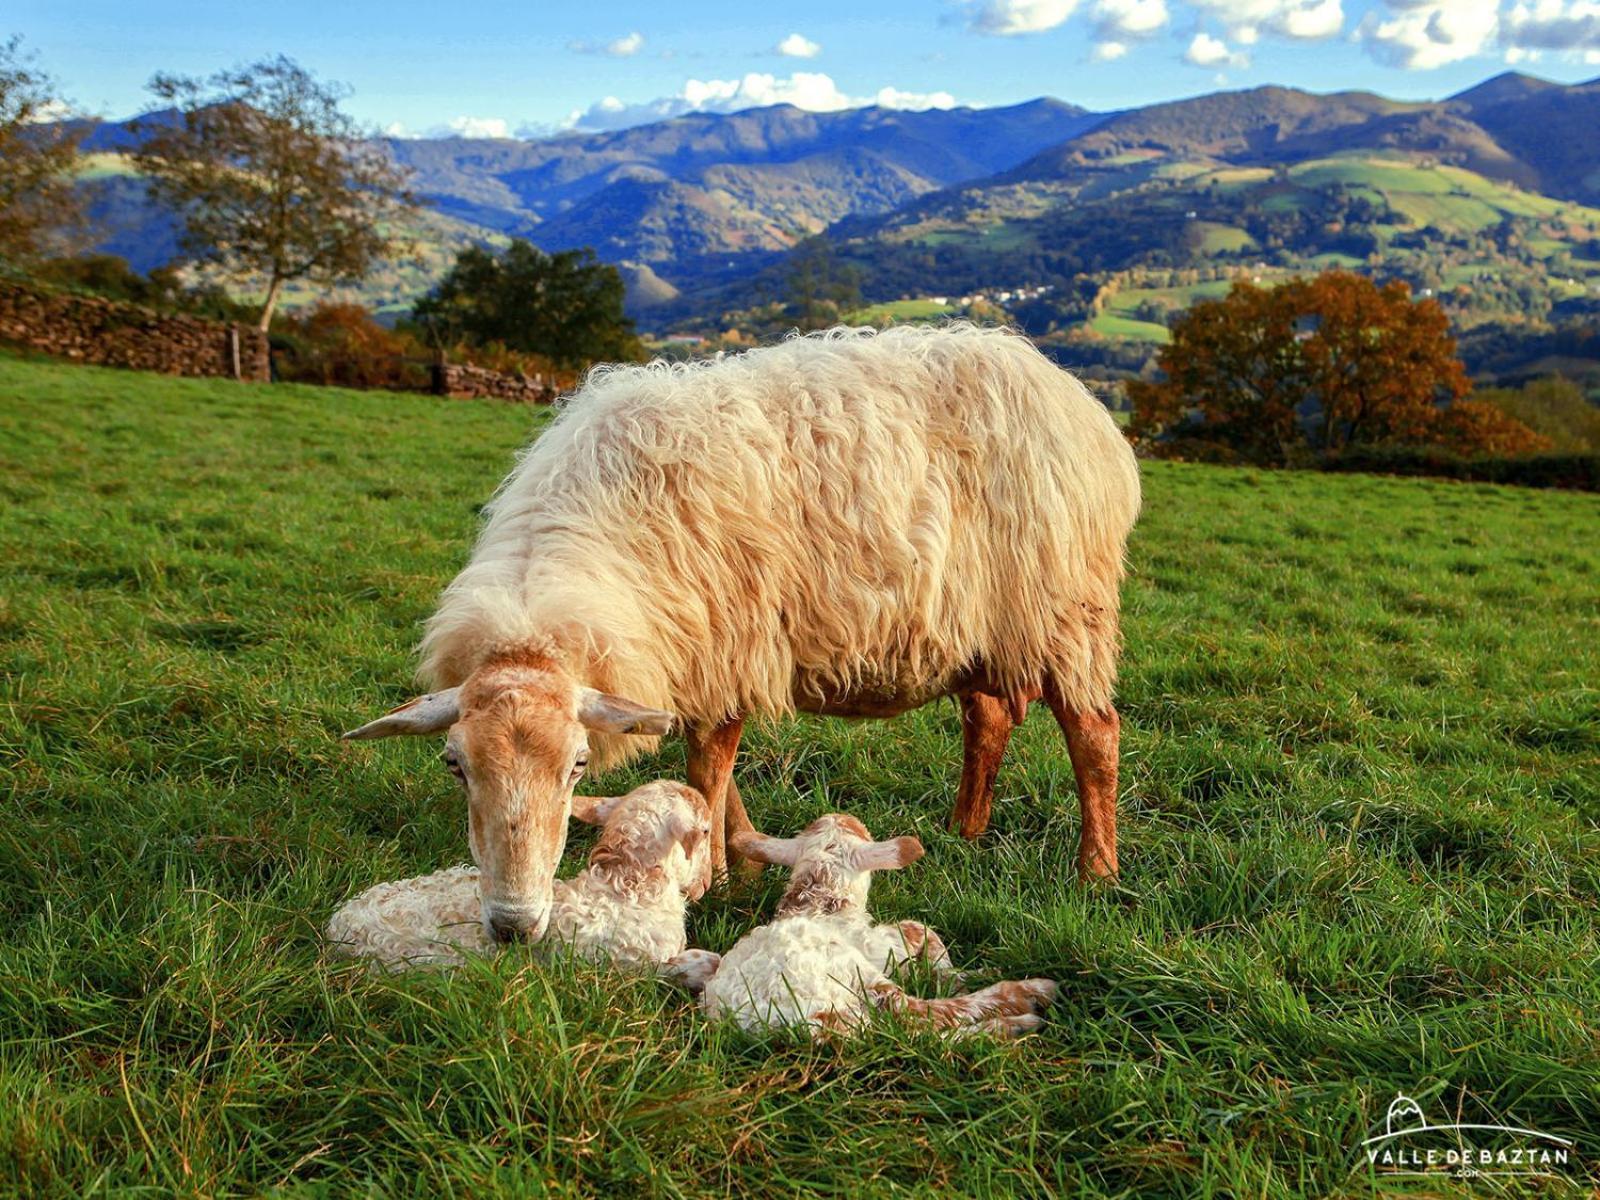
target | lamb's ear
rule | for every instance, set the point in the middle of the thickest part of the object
(886, 856)
(425, 714)
(595, 810)
(613, 714)
(780, 852)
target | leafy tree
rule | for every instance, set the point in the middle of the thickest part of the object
(38, 157)
(566, 307)
(1554, 407)
(820, 287)
(270, 177)
(1326, 362)
(1476, 428)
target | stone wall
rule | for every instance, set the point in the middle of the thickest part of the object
(108, 333)
(470, 383)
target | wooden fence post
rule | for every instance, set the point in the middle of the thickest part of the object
(233, 351)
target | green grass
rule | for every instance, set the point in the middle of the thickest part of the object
(1360, 846)
(1223, 239)
(899, 310)
(1113, 324)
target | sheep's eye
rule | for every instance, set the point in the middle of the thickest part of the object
(453, 761)
(581, 762)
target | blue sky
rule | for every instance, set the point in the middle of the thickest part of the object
(539, 67)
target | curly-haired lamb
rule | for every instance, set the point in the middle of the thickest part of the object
(626, 906)
(822, 963)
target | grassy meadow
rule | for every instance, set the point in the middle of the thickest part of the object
(1360, 841)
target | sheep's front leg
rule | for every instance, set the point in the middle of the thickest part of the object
(1093, 739)
(986, 725)
(711, 755)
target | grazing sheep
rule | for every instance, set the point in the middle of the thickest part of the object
(849, 523)
(823, 963)
(627, 906)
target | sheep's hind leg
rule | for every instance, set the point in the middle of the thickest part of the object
(1093, 738)
(986, 725)
(711, 755)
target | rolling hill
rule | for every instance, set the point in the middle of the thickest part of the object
(679, 196)
(1457, 196)
(700, 210)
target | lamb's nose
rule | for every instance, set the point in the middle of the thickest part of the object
(506, 930)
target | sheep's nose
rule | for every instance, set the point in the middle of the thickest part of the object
(516, 923)
(506, 930)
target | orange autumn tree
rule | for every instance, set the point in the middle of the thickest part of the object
(1320, 363)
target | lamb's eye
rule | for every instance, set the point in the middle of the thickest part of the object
(453, 761)
(580, 763)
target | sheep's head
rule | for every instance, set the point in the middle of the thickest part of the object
(831, 860)
(661, 831)
(517, 739)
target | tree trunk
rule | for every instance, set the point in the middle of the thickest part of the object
(272, 302)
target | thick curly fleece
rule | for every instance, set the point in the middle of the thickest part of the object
(627, 906)
(844, 511)
(821, 963)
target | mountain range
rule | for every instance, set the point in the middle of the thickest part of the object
(697, 206)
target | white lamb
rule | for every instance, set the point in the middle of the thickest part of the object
(822, 962)
(627, 906)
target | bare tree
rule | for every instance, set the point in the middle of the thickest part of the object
(270, 177)
(38, 157)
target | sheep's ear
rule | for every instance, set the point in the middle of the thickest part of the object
(886, 856)
(613, 714)
(425, 714)
(595, 810)
(780, 852)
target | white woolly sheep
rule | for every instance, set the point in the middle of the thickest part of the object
(627, 906)
(822, 963)
(850, 523)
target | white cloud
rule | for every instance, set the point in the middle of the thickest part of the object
(623, 47)
(1007, 18)
(1420, 35)
(474, 127)
(813, 91)
(891, 97)
(1108, 51)
(796, 46)
(1130, 18)
(1561, 25)
(53, 109)
(1208, 51)
(1304, 20)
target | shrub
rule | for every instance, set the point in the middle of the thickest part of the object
(1578, 472)
(1556, 408)
(341, 345)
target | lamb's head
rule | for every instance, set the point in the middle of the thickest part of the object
(831, 862)
(661, 831)
(517, 739)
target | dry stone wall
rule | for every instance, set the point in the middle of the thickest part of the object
(109, 333)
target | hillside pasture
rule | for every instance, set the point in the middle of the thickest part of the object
(1361, 847)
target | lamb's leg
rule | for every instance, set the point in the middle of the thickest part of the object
(1008, 1026)
(923, 944)
(691, 970)
(1092, 742)
(1014, 998)
(986, 725)
(711, 755)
